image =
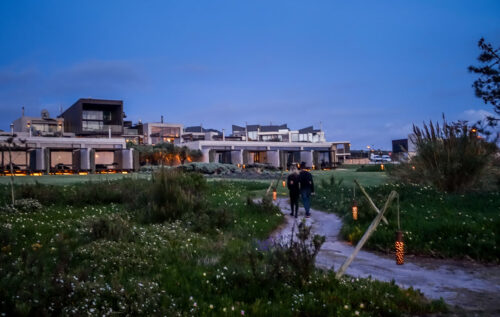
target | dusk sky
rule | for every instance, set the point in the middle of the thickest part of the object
(366, 69)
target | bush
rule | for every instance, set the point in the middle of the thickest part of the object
(210, 168)
(113, 228)
(287, 261)
(451, 157)
(174, 194)
(23, 205)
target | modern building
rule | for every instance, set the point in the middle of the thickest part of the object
(42, 154)
(277, 133)
(94, 118)
(91, 136)
(39, 126)
(278, 154)
(155, 133)
(198, 133)
(403, 149)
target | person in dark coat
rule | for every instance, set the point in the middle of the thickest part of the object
(294, 190)
(306, 188)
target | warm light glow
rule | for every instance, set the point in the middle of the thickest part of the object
(354, 210)
(275, 194)
(284, 184)
(36, 174)
(83, 173)
(474, 130)
(314, 167)
(124, 172)
(243, 165)
(382, 167)
(413, 167)
(400, 248)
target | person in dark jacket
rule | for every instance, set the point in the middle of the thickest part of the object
(306, 188)
(294, 190)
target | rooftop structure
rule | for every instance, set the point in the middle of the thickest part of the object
(94, 118)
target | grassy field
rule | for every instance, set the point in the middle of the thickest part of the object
(69, 179)
(434, 223)
(110, 258)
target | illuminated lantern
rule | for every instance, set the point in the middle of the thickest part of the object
(382, 167)
(274, 194)
(354, 210)
(413, 167)
(284, 184)
(243, 165)
(400, 248)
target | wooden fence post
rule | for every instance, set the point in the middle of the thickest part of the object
(371, 229)
(370, 201)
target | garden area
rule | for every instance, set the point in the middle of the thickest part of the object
(171, 245)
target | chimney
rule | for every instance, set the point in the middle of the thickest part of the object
(22, 112)
(161, 119)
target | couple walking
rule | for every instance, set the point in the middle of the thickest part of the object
(300, 184)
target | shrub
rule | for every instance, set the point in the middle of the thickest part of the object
(450, 157)
(23, 205)
(174, 194)
(288, 261)
(113, 228)
(210, 168)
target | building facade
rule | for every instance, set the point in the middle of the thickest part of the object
(94, 118)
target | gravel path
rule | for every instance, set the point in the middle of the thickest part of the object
(470, 286)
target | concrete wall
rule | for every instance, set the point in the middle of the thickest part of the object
(273, 158)
(307, 158)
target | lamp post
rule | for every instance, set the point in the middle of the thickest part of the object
(28, 125)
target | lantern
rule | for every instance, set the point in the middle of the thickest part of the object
(354, 210)
(381, 167)
(243, 165)
(274, 194)
(413, 167)
(284, 184)
(400, 248)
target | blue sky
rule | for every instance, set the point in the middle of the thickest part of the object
(366, 70)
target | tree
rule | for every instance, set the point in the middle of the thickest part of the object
(10, 145)
(487, 85)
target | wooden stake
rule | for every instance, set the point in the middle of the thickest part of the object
(370, 201)
(371, 229)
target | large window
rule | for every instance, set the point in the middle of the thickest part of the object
(92, 115)
(44, 127)
(92, 125)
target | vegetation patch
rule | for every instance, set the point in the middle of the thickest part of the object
(434, 223)
(105, 259)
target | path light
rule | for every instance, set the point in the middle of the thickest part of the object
(400, 248)
(354, 210)
(275, 194)
(381, 167)
(284, 184)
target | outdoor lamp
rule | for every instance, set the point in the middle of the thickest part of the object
(275, 194)
(354, 210)
(284, 184)
(381, 167)
(400, 248)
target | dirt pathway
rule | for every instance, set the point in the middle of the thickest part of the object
(470, 286)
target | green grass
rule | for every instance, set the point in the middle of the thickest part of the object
(70, 179)
(51, 264)
(434, 223)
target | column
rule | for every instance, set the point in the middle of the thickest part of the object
(273, 158)
(307, 158)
